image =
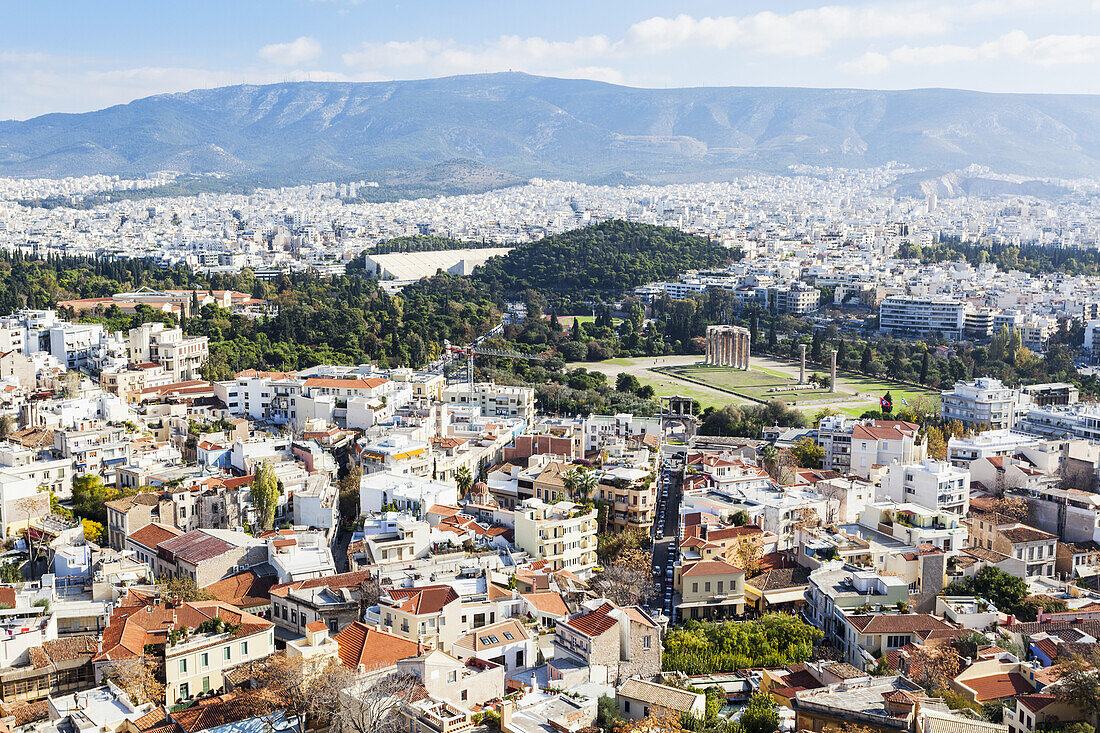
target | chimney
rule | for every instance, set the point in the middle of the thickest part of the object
(507, 707)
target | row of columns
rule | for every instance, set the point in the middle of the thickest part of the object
(728, 346)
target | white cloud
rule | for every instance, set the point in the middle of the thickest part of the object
(868, 63)
(299, 51)
(530, 54)
(1046, 51)
(801, 33)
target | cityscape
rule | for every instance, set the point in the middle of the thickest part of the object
(670, 369)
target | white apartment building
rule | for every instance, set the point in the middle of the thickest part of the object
(75, 344)
(181, 357)
(599, 429)
(934, 485)
(987, 444)
(884, 443)
(494, 400)
(1063, 421)
(563, 534)
(985, 401)
(917, 315)
(54, 474)
(411, 494)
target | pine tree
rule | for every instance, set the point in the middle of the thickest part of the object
(924, 364)
(865, 360)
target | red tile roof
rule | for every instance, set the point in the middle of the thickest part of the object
(711, 567)
(243, 590)
(999, 686)
(153, 534)
(361, 646)
(196, 546)
(342, 580)
(426, 599)
(595, 622)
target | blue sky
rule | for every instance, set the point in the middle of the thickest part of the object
(75, 56)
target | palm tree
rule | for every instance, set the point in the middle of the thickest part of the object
(769, 455)
(464, 480)
(586, 485)
(569, 481)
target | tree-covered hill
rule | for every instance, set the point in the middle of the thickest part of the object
(611, 257)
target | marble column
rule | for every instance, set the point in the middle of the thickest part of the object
(802, 365)
(832, 374)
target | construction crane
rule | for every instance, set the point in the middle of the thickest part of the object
(469, 350)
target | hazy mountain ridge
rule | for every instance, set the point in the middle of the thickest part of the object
(525, 126)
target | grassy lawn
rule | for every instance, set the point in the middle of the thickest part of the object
(567, 321)
(758, 382)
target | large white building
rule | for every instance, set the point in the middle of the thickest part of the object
(563, 534)
(917, 315)
(984, 401)
(494, 400)
(411, 494)
(181, 357)
(934, 485)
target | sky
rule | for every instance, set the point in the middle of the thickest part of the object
(76, 56)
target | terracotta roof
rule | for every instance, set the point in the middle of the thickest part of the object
(60, 651)
(662, 696)
(710, 567)
(998, 686)
(1047, 647)
(983, 554)
(593, 623)
(549, 602)
(223, 710)
(137, 622)
(243, 590)
(1036, 701)
(1027, 534)
(25, 712)
(342, 580)
(780, 578)
(153, 534)
(361, 646)
(426, 599)
(897, 623)
(127, 503)
(196, 546)
(313, 626)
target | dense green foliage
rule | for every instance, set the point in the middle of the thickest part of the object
(746, 421)
(701, 647)
(1009, 593)
(421, 243)
(612, 257)
(1036, 259)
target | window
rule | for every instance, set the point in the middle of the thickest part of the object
(244, 648)
(206, 684)
(463, 695)
(452, 676)
(183, 666)
(204, 660)
(896, 641)
(646, 642)
(626, 706)
(694, 587)
(226, 654)
(185, 692)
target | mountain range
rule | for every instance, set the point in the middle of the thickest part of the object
(498, 128)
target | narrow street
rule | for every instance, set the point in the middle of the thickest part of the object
(666, 532)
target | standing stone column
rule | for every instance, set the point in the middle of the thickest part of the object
(748, 349)
(832, 374)
(802, 365)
